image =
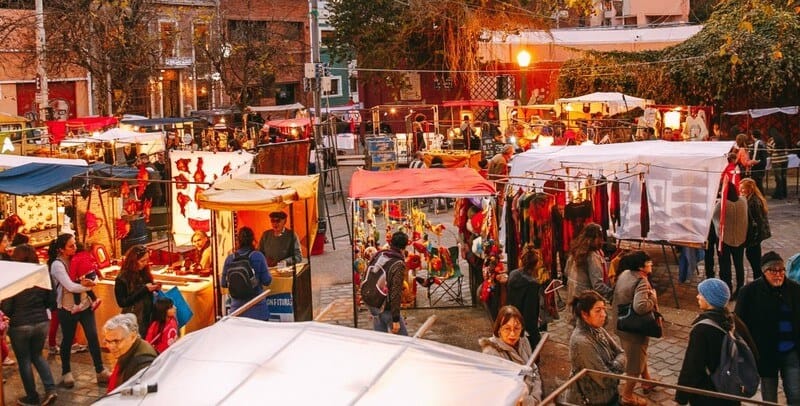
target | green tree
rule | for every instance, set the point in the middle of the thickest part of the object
(387, 36)
(743, 57)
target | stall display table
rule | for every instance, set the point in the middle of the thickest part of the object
(454, 158)
(290, 293)
(196, 290)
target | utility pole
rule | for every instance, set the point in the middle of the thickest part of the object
(41, 70)
(316, 60)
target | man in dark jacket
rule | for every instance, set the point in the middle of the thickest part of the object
(121, 336)
(705, 341)
(395, 268)
(770, 306)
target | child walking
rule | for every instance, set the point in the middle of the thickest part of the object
(163, 330)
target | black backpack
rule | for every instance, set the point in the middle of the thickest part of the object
(737, 373)
(242, 280)
(375, 287)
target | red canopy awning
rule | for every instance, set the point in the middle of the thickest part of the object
(469, 103)
(58, 129)
(419, 183)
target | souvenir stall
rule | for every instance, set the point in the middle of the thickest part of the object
(654, 192)
(589, 117)
(115, 215)
(247, 200)
(32, 191)
(435, 250)
(245, 361)
(412, 127)
(675, 123)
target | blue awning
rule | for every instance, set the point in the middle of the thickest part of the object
(40, 179)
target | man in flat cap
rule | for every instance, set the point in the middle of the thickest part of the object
(280, 243)
(770, 307)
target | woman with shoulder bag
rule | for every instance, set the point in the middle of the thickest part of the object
(592, 347)
(757, 224)
(134, 287)
(71, 313)
(634, 290)
(586, 267)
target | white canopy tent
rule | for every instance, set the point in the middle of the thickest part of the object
(149, 143)
(611, 103)
(18, 276)
(756, 113)
(681, 179)
(242, 361)
(270, 109)
(11, 161)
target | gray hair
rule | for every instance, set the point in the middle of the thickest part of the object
(125, 321)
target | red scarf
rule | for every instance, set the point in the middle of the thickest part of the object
(112, 380)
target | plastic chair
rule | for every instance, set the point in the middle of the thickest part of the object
(447, 282)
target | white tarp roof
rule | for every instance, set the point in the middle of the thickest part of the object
(241, 361)
(11, 161)
(284, 107)
(597, 36)
(617, 102)
(18, 276)
(756, 113)
(149, 143)
(681, 177)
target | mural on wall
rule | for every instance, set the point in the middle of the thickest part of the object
(193, 172)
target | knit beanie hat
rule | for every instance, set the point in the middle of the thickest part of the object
(770, 259)
(715, 291)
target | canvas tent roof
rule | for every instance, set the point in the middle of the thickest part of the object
(756, 113)
(257, 192)
(10, 161)
(681, 179)
(243, 361)
(419, 183)
(39, 179)
(617, 102)
(18, 276)
(284, 107)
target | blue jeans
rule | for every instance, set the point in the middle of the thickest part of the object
(789, 370)
(69, 322)
(28, 342)
(382, 321)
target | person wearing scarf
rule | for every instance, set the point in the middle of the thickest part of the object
(121, 336)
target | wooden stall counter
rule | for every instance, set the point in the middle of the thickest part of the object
(299, 285)
(196, 290)
(454, 158)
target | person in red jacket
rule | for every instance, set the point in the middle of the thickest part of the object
(84, 265)
(163, 330)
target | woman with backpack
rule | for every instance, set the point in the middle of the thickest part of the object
(134, 286)
(705, 340)
(244, 274)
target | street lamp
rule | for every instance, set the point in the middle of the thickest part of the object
(523, 60)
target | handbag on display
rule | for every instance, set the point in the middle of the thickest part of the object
(649, 324)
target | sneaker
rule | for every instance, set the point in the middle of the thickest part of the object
(103, 376)
(49, 398)
(25, 401)
(8, 361)
(78, 348)
(68, 381)
(53, 350)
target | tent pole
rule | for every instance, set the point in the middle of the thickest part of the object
(352, 261)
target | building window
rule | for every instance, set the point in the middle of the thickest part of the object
(287, 30)
(200, 42)
(246, 30)
(168, 31)
(336, 87)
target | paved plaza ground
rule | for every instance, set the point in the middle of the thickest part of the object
(462, 327)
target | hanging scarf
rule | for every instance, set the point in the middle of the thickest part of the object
(613, 205)
(645, 211)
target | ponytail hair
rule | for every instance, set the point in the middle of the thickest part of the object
(59, 243)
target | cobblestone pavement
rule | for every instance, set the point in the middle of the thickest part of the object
(463, 326)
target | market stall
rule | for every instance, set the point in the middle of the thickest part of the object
(115, 146)
(401, 193)
(412, 127)
(454, 158)
(247, 200)
(244, 361)
(651, 191)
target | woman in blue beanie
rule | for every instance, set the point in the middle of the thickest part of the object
(702, 352)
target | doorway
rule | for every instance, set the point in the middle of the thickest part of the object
(170, 94)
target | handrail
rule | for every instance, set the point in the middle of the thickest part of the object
(538, 349)
(252, 302)
(551, 398)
